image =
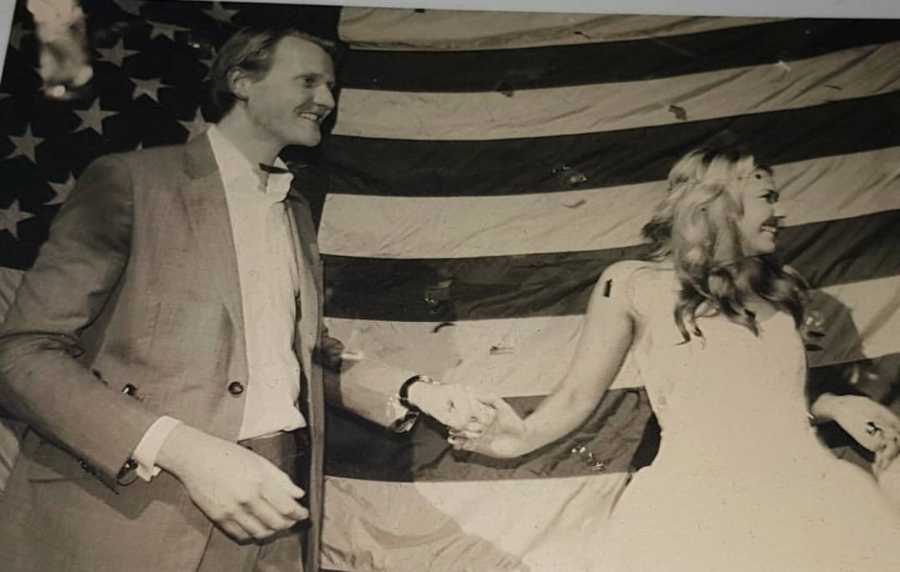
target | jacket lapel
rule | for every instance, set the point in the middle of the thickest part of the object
(310, 271)
(306, 339)
(204, 198)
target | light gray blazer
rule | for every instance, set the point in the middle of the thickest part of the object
(138, 284)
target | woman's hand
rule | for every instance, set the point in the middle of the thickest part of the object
(873, 425)
(505, 437)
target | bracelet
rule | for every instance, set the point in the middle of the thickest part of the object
(403, 393)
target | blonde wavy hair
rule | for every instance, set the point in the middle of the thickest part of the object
(695, 227)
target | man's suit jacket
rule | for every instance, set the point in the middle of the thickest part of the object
(137, 291)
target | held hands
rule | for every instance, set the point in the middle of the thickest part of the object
(505, 437)
(241, 492)
(455, 406)
(478, 422)
(873, 425)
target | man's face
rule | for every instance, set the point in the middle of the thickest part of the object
(762, 214)
(290, 102)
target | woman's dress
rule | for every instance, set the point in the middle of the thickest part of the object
(740, 481)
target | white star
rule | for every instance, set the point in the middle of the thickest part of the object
(11, 217)
(132, 7)
(16, 35)
(26, 144)
(62, 190)
(196, 126)
(148, 87)
(93, 117)
(116, 54)
(221, 14)
(167, 30)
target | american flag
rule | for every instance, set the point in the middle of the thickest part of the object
(482, 170)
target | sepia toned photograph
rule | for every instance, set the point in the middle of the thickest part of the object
(297, 287)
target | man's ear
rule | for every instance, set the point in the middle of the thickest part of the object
(239, 82)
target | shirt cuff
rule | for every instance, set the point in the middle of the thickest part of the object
(147, 450)
(403, 417)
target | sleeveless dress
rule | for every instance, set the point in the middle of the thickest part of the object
(740, 483)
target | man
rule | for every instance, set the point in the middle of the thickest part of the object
(164, 331)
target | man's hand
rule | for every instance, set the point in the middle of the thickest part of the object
(505, 437)
(243, 493)
(329, 352)
(456, 406)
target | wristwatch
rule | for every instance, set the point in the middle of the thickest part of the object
(404, 391)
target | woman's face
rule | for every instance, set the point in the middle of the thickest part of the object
(762, 216)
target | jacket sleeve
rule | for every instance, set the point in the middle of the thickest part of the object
(369, 388)
(42, 381)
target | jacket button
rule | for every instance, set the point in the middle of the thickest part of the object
(235, 388)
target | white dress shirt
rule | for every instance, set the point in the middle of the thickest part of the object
(269, 280)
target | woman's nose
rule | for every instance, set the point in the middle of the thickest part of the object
(778, 210)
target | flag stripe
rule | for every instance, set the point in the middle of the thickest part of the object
(439, 227)
(512, 356)
(614, 432)
(617, 434)
(828, 253)
(504, 356)
(862, 321)
(464, 525)
(567, 65)
(365, 166)
(504, 114)
(405, 29)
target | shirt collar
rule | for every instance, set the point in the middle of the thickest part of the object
(234, 167)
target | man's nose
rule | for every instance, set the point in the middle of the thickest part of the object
(324, 97)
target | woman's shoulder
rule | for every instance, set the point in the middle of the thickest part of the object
(641, 285)
(630, 271)
(629, 280)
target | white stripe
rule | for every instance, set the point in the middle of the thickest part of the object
(836, 76)
(414, 227)
(862, 320)
(529, 356)
(525, 356)
(401, 29)
(546, 522)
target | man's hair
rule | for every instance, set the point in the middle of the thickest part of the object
(250, 50)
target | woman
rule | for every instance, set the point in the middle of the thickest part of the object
(740, 481)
